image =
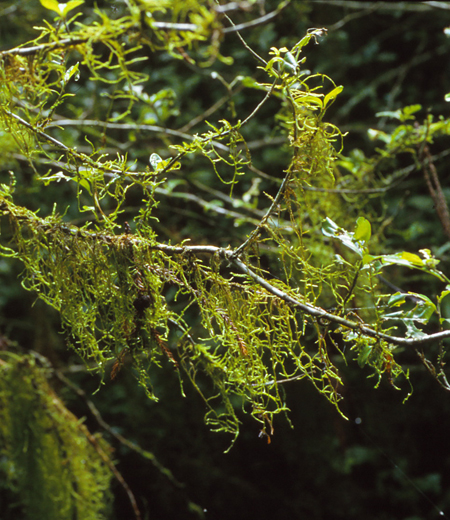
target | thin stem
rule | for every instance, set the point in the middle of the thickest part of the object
(28, 51)
(265, 218)
(257, 21)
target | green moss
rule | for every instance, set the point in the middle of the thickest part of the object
(51, 464)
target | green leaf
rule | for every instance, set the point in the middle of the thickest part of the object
(367, 259)
(71, 71)
(84, 183)
(444, 293)
(363, 229)
(312, 99)
(421, 313)
(52, 5)
(409, 110)
(378, 134)
(396, 299)
(71, 5)
(61, 9)
(331, 96)
(407, 259)
(412, 258)
(402, 114)
(331, 229)
(155, 160)
(364, 354)
(412, 330)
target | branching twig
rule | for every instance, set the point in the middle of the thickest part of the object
(321, 313)
(265, 218)
(435, 189)
(103, 424)
(127, 126)
(257, 21)
(44, 47)
(385, 6)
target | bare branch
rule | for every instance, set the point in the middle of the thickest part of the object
(44, 47)
(257, 21)
(386, 6)
(127, 126)
(105, 426)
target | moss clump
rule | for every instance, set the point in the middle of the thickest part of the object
(51, 466)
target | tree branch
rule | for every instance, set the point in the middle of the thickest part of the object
(28, 51)
(128, 126)
(257, 21)
(321, 313)
(386, 6)
(435, 188)
(229, 255)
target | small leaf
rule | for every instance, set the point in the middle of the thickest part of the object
(331, 229)
(397, 299)
(313, 99)
(367, 259)
(444, 293)
(412, 258)
(364, 354)
(363, 229)
(407, 259)
(52, 5)
(331, 96)
(378, 134)
(154, 160)
(409, 110)
(70, 6)
(74, 70)
(61, 9)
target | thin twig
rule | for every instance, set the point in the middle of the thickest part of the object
(205, 114)
(128, 126)
(435, 189)
(105, 426)
(245, 44)
(265, 218)
(385, 6)
(260, 104)
(257, 21)
(349, 18)
(27, 51)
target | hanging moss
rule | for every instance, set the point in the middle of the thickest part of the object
(240, 318)
(50, 463)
